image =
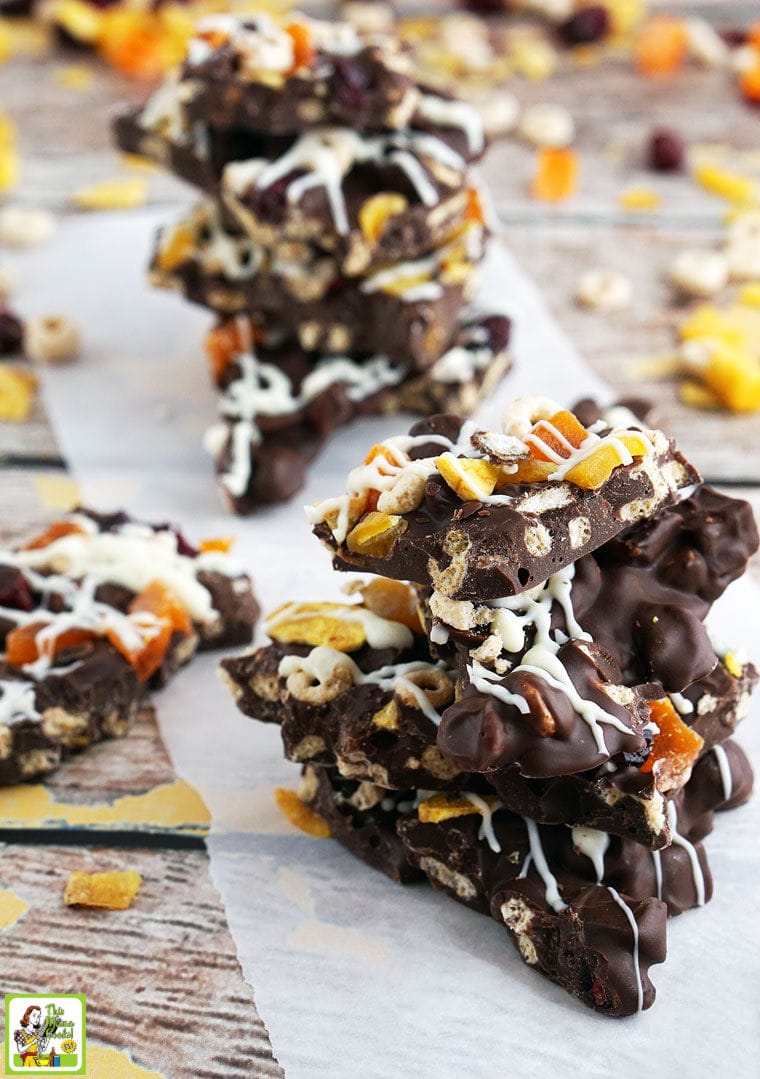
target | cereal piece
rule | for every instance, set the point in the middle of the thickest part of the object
(556, 176)
(368, 17)
(635, 199)
(114, 890)
(51, 339)
(604, 290)
(377, 211)
(675, 747)
(499, 110)
(299, 815)
(699, 273)
(17, 390)
(121, 194)
(469, 478)
(22, 226)
(728, 185)
(443, 807)
(7, 282)
(546, 125)
(743, 258)
(660, 46)
(705, 43)
(534, 57)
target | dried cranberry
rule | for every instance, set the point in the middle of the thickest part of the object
(498, 327)
(599, 993)
(667, 151)
(349, 84)
(11, 332)
(585, 26)
(14, 589)
(268, 203)
(485, 7)
(734, 36)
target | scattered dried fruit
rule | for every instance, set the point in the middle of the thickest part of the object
(114, 890)
(728, 185)
(468, 477)
(556, 176)
(121, 194)
(327, 624)
(300, 815)
(51, 339)
(444, 806)
(661, 46)
(377, 211)
(391, 599)
(376, 534)
(666, 151)
(17, 390)
(675, 747)
(636, 199)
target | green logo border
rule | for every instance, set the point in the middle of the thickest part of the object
(82, 1069)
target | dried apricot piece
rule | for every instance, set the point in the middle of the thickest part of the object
(222, 345)
(328, 624)
(300, 815)
(556, 175)
(595, 469)
(393, 600)
(22, 645)
(733, 375)
(675, 747)
(376, 534)
(469, 477)
(749, 84)
(217, 543)
(146, 659)
(114, 890)
(661, 46)
(160, 601)
(53, 532)
(179, 245)
(474, 209)
(532, 471)
(561, 433)
(303, 50)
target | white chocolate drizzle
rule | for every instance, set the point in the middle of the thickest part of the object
(681, 841)
(537, 856)
(593, 844)
(631, 918)
(486, 810)
(574, 456)
(657, 863)
(724, 767)
(682, 704)
(458, 114)
(17, 702)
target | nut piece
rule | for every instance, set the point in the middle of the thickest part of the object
(547, 125)
(112, 891)
(604, 290)
(22, 226)
(51, 339)
(699, 273)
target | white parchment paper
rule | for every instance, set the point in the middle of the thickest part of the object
(353, 975)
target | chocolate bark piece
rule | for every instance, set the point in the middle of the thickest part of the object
(251, 73)
(280, 405)
(362, 817)
(368, 199)
(407, 310)
(477, 545)
(366, 703)
(89, 694)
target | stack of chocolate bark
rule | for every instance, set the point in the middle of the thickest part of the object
(94, 612)
(338, 240)
(541, 724)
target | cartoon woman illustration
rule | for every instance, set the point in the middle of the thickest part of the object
(29, 1037)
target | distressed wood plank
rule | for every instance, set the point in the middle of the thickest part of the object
(162, 979)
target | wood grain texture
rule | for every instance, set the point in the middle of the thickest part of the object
(161, 979)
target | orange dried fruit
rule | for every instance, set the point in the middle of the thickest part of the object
(300, 815)
(531, 471)
(474, 209)
(595, 469)
(22, 646)
(442, 807)
(53, 532)
(303, 50)
(150, 655)
(469, 477)
(556, 175)
(217, 543)
(333, 625)
(222, 345)
(179, 244)
(135, 44)
(675, 747)
(378, 210)
(376, 534)
(160, 601)
(555, 434)
(749, 84)
(393, 600)
(114, 890)
(660, 47)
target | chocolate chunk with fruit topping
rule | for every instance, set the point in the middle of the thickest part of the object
(353, 689)
(261, 75)
(363, 818)
(368, 199)
(430, 507)
(280, 405)
(94, 611)
(406, 310)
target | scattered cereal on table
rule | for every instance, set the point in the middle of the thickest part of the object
(604, 290)
(24, 226)
(51, 339)
(122, 194)
(114, 890)
(699, 273)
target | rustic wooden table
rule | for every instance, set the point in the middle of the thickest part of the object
(175, 989)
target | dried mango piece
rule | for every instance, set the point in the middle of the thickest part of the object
(317, 624)
(300, 815)
(733, 664)
(393, 600)
(10, 167)
(121, 194)
(625, 16)
(376, 534)
(749, 295)
(749, 84)
(734, 377)
(675, 747)
(57, 530)
(561, 433)
(711, 323)
(160, 601)
(661, 46)
(469, 477)
(635, 199)
(136, 44)
(532, 471)
(17, 389)
(303, 50)
(388, 716)
(474, 210)
(22, 645)
(556, 175)
(376, 212)
(146, 659)
(217, 543)
(114, 890)
(79, 19)
(592, 471)
(695, 395)
(444, 806)
(729, 185)
(179, 245)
